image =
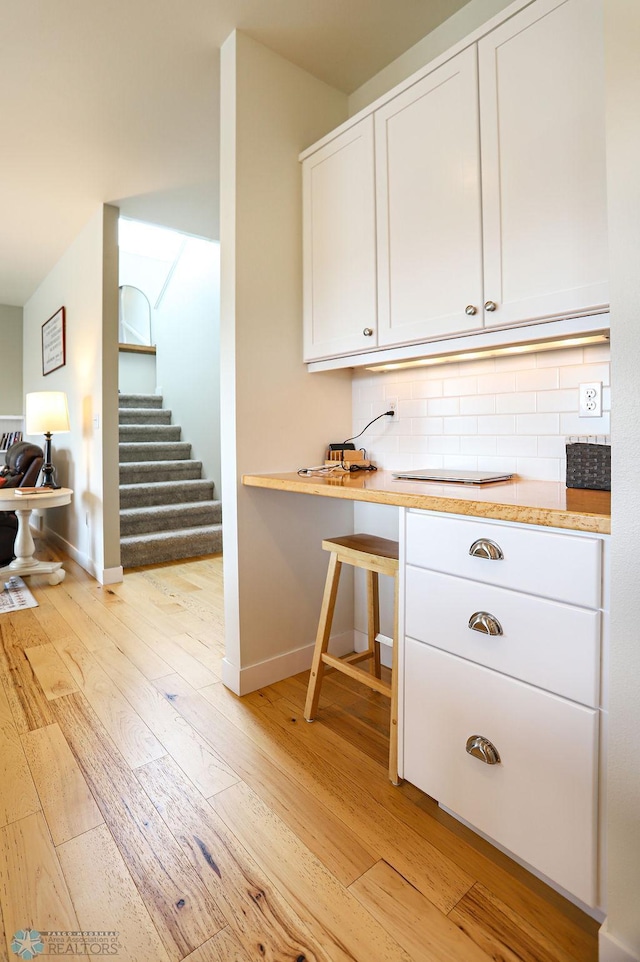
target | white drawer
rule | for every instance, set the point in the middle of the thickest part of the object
(559, 566)
(539, 802)
(546, 643)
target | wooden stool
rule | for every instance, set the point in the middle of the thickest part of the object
(376, 556)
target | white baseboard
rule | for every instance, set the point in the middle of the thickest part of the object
(361, 643)
(610, 950)
(105, 576)
(245, 680)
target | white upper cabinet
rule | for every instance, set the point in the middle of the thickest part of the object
(428, 207)
(478, 191)
(543, 162)
(339, 245)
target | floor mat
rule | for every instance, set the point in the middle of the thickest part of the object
(15, 596)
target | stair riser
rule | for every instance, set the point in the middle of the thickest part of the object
(137, 433)
(160, 471)
(171, 548)
(173, 520)
(150, 495)
(139, 401)
(147, 416)
(152, 451)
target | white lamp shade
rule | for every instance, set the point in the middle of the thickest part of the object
(47, 412)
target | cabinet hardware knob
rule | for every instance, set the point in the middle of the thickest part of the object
(490, 306)
(483, 548)
(368, 331)
(484, 622)
(471, 309)
(480, 747)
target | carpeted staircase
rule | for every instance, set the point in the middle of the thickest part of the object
(167, 510)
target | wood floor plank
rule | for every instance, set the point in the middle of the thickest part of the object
(50, 671)
(135, 741)
(68, 805)
(503, 934)
(105, 897)
(18, 795)
(432, 873)
(33, 892)
(182, 910)
(424, 932)
(324, 904)
(324, 833)
(192, 752)
(29, 705)
(530, 897)
(223, 947)
(264, 922)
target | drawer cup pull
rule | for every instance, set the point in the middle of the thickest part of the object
(480, 747)
(484, 622)
(483, 548)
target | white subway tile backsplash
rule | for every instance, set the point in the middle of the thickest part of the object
(426, 426)
(537, 424)
(517, 446)
(457, 386)
(534, 380)
(443, 406)
(576, 374)
(497, 424)
(548, 401)
(520, 402)
(461, 425)
(497, 383)
(478, 404)
(497, 414)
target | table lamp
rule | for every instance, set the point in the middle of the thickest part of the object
(47, 413)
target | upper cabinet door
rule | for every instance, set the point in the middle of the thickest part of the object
(428, 206)
(543, 162)
(339, 243)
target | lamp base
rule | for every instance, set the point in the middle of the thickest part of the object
(48, 470)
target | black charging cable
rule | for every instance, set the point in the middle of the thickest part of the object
(386, 414)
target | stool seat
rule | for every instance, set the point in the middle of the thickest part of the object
(376, 556)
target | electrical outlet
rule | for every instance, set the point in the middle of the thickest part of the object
(590, 404)
(392, 404)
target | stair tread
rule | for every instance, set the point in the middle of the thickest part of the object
(174, 535)
(166, 508)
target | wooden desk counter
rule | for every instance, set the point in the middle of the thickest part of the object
(545, 503)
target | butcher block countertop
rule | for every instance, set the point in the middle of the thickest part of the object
(545, 503)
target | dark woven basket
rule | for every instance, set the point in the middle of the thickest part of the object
(589, 466)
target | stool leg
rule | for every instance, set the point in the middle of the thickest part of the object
(393, 727)
(322, 637)
(373, 620)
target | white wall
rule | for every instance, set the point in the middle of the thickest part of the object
(456, 28)
(11, 396)
(187, 337)
(137, 373)
(622, 43)
(85, 282)
(275, 416)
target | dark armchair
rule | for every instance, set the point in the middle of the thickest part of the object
(23, 462)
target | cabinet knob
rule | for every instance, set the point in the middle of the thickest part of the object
(484, 622)
(368, 332)
(480, 747)
(490, 306)
(483, 548)
(471, 309)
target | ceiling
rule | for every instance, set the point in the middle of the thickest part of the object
(117, 101)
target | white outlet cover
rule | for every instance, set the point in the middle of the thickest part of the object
(590, 400)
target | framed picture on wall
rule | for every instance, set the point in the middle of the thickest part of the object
(53, 343)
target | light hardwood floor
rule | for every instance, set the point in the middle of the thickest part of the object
(139, 796)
